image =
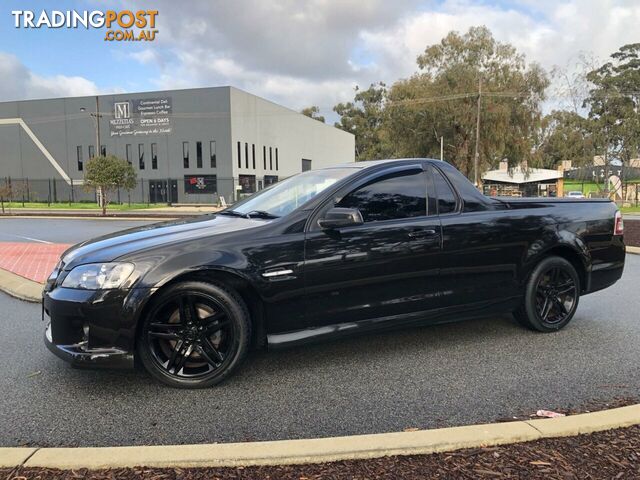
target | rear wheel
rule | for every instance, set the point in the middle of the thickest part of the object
(195, 335)
(551, 296)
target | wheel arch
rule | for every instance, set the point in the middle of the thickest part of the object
(225, 278)
(578, 257)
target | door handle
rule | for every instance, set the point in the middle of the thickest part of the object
(422, 233)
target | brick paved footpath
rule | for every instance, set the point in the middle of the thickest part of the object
(34, 261)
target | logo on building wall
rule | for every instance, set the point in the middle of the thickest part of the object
(121, 110)
(147, 116)
(197, 182)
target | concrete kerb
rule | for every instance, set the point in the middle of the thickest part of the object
(154, 218)
(321, 449)
(20, 287)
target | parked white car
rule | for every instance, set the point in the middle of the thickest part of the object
(575, 194)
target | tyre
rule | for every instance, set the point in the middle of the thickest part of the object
(195, 335)
(551, 296)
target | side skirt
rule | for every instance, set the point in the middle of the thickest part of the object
(427, 317)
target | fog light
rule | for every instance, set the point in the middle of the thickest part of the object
(85, 333)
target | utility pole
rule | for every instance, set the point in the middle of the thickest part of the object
(477, 153)
(98, 153)
(97, 115)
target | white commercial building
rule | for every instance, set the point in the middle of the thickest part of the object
(187, 146)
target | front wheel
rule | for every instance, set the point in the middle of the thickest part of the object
(195, 335)
(551, 296)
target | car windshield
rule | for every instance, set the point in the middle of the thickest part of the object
(285, 196)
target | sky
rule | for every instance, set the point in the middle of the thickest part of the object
(294, 52)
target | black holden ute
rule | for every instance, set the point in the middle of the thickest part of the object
(326, 253)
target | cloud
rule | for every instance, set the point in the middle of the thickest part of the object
(304, 52)
(25, 84)
(293, 52)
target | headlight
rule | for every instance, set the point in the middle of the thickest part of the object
(98, 276)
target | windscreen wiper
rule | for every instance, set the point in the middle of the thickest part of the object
(233, 213)
(251, 214)
(261, 214)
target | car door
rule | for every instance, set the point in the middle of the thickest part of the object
(384, 267)
(481, 250)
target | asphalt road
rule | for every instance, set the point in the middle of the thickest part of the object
(60, 230)
(454, 374)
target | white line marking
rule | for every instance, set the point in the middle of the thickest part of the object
(29, 238)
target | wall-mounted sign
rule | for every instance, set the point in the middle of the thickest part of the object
(200, 184)
(149, 116)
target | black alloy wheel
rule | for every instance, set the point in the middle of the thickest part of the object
(551, 297)
(555, 295)
(195, 335)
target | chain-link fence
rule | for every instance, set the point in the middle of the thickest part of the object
(191, 189)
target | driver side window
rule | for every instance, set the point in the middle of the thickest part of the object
(401, 195)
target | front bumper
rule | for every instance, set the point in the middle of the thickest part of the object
(79, 355)
(93, 328)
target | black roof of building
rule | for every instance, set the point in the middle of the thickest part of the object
(597, 172)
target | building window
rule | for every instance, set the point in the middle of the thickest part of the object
(239, 157)
(276, 158)
(253, 154)
(212, 153)
(154, 156)
(103, 150)
(270, 180)
(199, 154)
(306, 165)
(270, 158)
(79, 153)
(141, 156)
(246, 155)
(185, 154)
(92, 151)
(248, 184)
(128, 153)
(264, 157)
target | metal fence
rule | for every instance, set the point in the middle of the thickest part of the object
(192, 189)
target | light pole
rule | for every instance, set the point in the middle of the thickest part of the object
(96, 117)
(441, 144)
(476, 155)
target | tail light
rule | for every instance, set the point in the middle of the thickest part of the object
(618, 226)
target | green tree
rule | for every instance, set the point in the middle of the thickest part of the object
(564, 135)
(106, 175)
(364, 118)
(441, 99)
(614, 103)
(313, 112)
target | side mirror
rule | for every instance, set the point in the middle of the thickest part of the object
(341, 217)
